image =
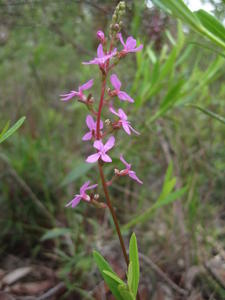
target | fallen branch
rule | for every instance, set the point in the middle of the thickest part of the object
(59, 287)
(160, 273)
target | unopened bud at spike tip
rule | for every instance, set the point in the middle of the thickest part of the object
(101, 36)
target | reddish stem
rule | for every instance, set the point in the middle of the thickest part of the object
(104, 183)
(116, 223)
(100, 106)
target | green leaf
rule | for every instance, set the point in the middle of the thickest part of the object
(211, 23)
(172, 96)
(133, 278)
(201, 21)
(158, 204)
(209, 113)
(114, 277)
(126, 293)
(130, 275)
(169, 172)
(12, 129)
(5, 129)
(55, 233)
(180, 10)
(169, 182)
(103, 266)
(81, 169)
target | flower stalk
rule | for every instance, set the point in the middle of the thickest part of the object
(106, 60)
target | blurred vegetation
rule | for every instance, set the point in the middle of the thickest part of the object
(42, 45)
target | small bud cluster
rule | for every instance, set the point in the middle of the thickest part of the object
(99, 132)
(117, 23)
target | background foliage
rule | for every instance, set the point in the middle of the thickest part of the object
(42, 45)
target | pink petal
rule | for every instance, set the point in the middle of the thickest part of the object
(113, 111)
(86, 198)
(115, 82)
(135, 131)
(126, 127)
(109, 144)
(114, 52)
(91, 62)
(70, 95)
(86, 85)
(92, 187)
(128, 166)
(133, 175)
(84, 187)
(98, 145)
(90, 122)
(106, 158)
(119, 35)
(87, 136)
(122, 114)
(125, 97)
(130, 43)
(93, 158)
(137, 49)
(100, 52)
(74, 202)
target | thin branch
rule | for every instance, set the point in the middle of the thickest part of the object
(161, 274)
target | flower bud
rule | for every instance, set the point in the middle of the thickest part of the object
(116, 27)
(117, 172)
(107, 122)
(99, 204)
(122, 5)
(96, 197)
(101, 36)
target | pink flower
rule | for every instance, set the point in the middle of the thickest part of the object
(101, 57)
(123, 121)
(78, 94)
(129, 46)
(128, 171)
(82, 196)
(101, 36)
(91, 124)
(102, 149)
(117, 92)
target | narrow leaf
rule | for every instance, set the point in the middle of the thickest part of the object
(55, 233)
(114, 277)
(4, 129)
(211, 23)
(81, 169)
(158, 204)
(126, 293)
(103, 266)
(11, 130)
(209, 113)
(133, 256)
